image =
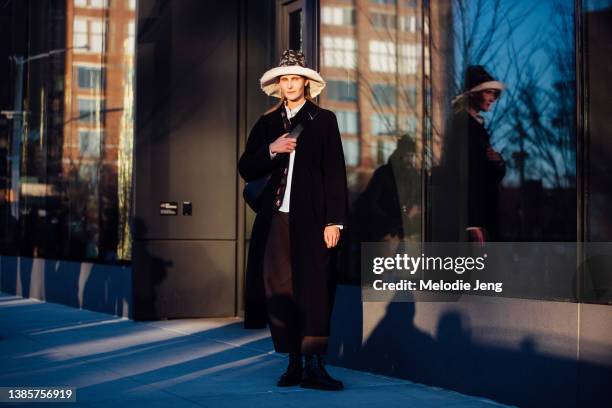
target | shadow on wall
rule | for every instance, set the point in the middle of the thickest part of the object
(181, 278)
(102, 288)
(527, 375)
(151, 273)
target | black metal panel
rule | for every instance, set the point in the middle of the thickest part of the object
(182, 279)
(186, 118)
(186, 145)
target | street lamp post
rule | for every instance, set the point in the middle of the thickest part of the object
(16, 142)
(18, 119)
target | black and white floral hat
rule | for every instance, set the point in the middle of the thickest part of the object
(291, 63)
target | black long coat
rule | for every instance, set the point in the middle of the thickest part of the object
(318, 198)
(470, 182)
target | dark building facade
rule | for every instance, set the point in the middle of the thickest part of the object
(122, 123)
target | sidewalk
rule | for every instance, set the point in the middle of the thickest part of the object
(175, 363)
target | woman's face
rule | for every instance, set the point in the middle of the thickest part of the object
(292, 86)
(484, 100)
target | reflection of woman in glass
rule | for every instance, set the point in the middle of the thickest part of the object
(389, 208)
(471, 162)
(289, 282)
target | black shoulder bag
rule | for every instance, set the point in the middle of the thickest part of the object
(253, 191)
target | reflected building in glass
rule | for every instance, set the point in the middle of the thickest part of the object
(72, 129)
(371, 57)
(97, 155)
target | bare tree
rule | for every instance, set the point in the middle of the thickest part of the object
(535, 115)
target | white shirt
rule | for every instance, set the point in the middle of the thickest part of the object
(287, 197)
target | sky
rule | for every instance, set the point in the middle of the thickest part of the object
(526, 36)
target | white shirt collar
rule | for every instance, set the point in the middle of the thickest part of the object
(479, 118)
(292, 112)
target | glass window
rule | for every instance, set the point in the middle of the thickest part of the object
(382, 56)
(511, 84)
(387, 72)
(596, 279)
(341, 90)
(337, 15)
(383, 124)
(487, 93)
(96, 36)
(295, 30)
(90, 110)
(383, 20)
(90, 77)
(81, 37)
(347, 121)
(409, 58)
(384, 94)
(408, 125)
(408, 23)
(351, 151)
(91, 3)
(130, 39)
(70, 191)
(88, 175)
(383, 1)
(384, 149)
(409, 94)
(339, 52)
(88, 35)
(89, 142)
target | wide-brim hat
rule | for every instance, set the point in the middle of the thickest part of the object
(292, 63)
(478, 79)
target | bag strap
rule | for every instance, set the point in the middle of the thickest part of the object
(287, 123)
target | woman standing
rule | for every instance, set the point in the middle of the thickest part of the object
(289, 280)
(471, 168)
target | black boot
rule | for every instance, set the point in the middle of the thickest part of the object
(316, 376)
(293, 375)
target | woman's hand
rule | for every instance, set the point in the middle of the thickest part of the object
(331, 235)
(283, 144)
(493, 156)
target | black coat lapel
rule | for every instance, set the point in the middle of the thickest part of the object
(304, 114)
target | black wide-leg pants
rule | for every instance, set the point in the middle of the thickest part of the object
(285, 317)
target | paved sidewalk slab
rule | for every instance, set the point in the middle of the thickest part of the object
(117, 362)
